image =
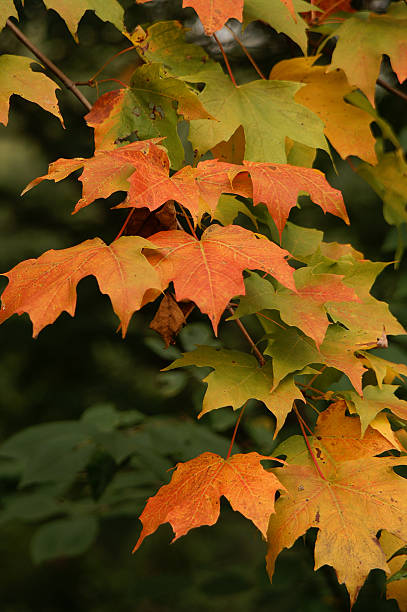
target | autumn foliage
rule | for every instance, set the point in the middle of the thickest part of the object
(207, 229)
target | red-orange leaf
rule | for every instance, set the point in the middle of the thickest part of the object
(213, 13)
(279, 185)
(198, 189)
(209, 271)
(46, 286)
(192, 497)
(104, 173)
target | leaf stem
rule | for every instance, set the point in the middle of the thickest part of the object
(226, 59)
(49, 64)
(311, 452)
(246, 52)
(132, 48)
(235, 431)
(260, 314)
(248, 337)
(191, 227)
(308, 386)
(391, 89)
(125, 224)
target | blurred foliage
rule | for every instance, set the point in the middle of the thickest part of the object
(90, 426)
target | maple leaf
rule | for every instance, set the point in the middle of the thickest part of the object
(358, 53)
(209, 271)
(283, 18)
(165, 43)
(198, 189)
(72, 12)
(213, 13)
(351, 498)
(237, 378)
(7, 10)
(304, 309)
(17, 77)
(228, 209)
(383, 368)
(150, 107)
(346, 127)
(105, 172)
(398, 589)
(292, 351)
(278, 186)
(46, 286)
(389, 180)
(370, 315)
(375, 399)
(192, 497)
(266, 110)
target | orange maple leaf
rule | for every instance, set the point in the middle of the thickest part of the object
(198, 189)
(351, 496)
(279, 185)
(209, 271)
(46, 286)
(192, 498)
(213, 13)
(105, 172)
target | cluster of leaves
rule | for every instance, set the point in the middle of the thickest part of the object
(248, 156)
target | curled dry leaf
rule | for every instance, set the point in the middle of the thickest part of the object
(170, 318)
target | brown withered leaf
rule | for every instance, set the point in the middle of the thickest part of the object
(145, 223)
(170, 318)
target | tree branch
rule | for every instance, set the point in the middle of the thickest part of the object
(50, 65)
(391, 89)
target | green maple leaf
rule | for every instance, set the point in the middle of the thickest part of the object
(228, 209)
(165, 44)
(389, 180)
(150, 107)
(369, 315)
(291, 351)
(266, 110)
(375, 400)
(364, 38)
(384, 368)
(279, 17)
(72, 12)
(237, 378)
(304, 309)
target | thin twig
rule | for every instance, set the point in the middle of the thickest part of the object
(132, 48)
(50, 65)
(311, 452)
(310, 382)
(248, 337)
(391, 89)
(191, 227)
(125, 224)
(235, 431)
(226, 59)
(246, 52)
(260, 314)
